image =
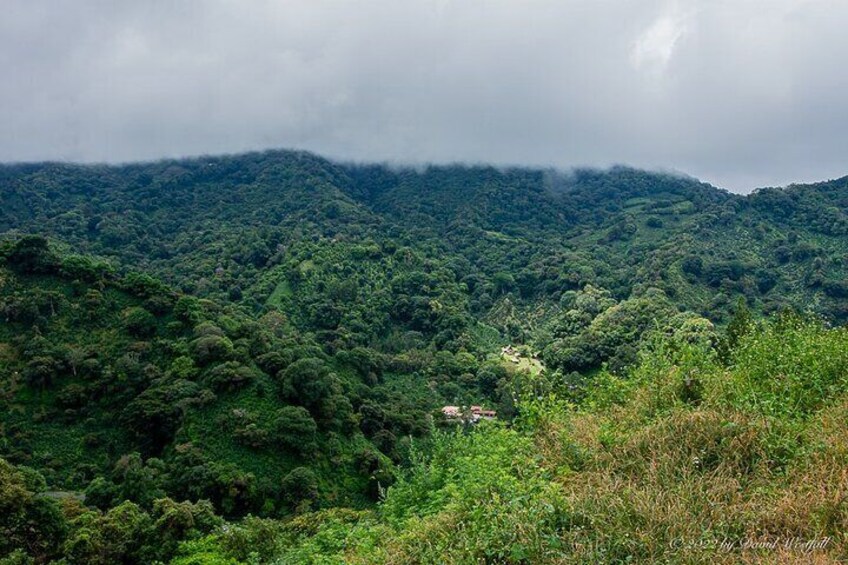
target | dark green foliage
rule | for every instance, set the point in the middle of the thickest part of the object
(139, 322)
(30, 254)
(229, 376)
(211, 344)
(156, 413)
(307, 381)
(27, 521)
(300, 488)
(693, 265)
(295, 429)
(654, 222)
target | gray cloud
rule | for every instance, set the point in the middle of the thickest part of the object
(741, 93)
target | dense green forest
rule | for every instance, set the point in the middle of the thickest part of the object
(244, 359)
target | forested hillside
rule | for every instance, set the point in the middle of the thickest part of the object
(237, 227)
(267, 339)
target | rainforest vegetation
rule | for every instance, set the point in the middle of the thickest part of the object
(243, 359)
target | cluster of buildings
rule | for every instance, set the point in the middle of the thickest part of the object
(472, 415)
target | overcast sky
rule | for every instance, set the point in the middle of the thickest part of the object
(740, 93)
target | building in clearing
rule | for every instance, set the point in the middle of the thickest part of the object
(509, 353)
(472, 415)
(478, 413)
(452, 412)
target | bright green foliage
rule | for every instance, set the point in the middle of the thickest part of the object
(492, 491)
(202, 552)
(787, 369)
